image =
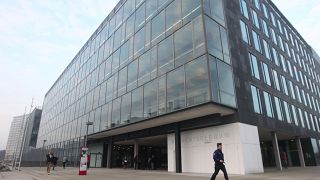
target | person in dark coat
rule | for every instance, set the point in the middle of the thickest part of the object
(54, 161)
(49, 157)
(218, 158)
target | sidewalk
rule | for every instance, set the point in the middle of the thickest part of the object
(35, 173)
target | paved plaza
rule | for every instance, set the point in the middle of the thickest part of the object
(309, 173)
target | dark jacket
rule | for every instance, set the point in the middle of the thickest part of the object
(217, 156)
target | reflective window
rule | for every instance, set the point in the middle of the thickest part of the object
(151, 8)
(301, 117)
(190, 9)
(265, 11)
(122, 81)
(132, 75)
(183, 44)
(125, 108)
(173, 15)
(265, 28)
(266, 50)
(255, 18)
(115, 60)
(158, 27)
(255, 93)
(213, 38)
(294, 115)
(104, 116)
(225, 46)
(140, 17)
(266, 74)
(124, 56)
(245, 32)
(147, 66)
(268, 104)
(254, 66)
(276, 80)
(128, 8)
(217, 10)
(130, 27)
(226, 86)
(279, 110)
(275, 57)
(150, 102)
(109, 92)
(117, 39)
(116, 112)
(244, 8)
(257, 4)
(284, 85)
(175, 90)
(197, 82)
(162, 95)
(256, 41)
(287, 111)
(165, 55)
(139, 42)
(137, 105)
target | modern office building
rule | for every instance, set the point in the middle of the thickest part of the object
(168, 79)
(23, 131)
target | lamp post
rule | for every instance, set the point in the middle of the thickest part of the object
(44, 141)
(86, 140)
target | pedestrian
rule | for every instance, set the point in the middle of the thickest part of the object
(284, 159)
(219, 163)
(54, 161)
(88, 160)
(49, 157)
(64, 162)
(125, 162)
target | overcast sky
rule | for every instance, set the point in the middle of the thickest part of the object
(39, 38)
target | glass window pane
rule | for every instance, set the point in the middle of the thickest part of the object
(116, 112)
(214, 79)
(279, 111)
(255, 93)
(226, 85)
(173, 15)
(183, 45)
(140, 17)
(190, 9)
(158, 27)
(165, 55)
(125, 108)
(150, 99)
(162, 94)
(124, 57)
(244, 32)
(175, 90)
(268, 104)
(217, 11)
(137, 105)
(132, 75)
(122, 81)
(151, 8)
(139, 42)
(197, 82)
(254, 66)
(213, 38)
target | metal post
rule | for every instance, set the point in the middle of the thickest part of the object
(178, 149)
(41, 158)
(86, 139)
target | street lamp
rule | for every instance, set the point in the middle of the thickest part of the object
(41, 158)
(86, 140)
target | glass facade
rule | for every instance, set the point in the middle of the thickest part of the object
(148, 58)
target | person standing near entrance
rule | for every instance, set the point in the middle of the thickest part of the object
(284, 158)
(218, 158)
(49, 157)
(64, 161)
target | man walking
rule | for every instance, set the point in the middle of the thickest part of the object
(219, 163)
(49, 157)
(64, 161)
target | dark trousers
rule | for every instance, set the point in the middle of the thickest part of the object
(217, 168)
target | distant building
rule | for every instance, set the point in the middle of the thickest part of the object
(2, 154)
(17, 132)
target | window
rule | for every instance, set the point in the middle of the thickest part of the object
(125, 108)
(279, 110)
(162, 95)
(255, 18)
(276, 80)
(165, 55)
(128, 8)
(294, 113)
(226, 86)
(147, 66)
(275, 57)
(183, 44)
(190, 9)
(140, 17)
(266, 74)
(245, 32)
(265, 28)
(197, 82)
(122, 81)
(151, 8)
(257, 4)
(116, 112)
(265, 11)
(301, 117)
(225, 46)
(268, 104)
(130, 26)
(214, 79)
(283, 63)
(213, 38)
(115, 60)
(254, 66)
(173, 15)
(292, 90)
(139, 42)
(255, 93)
(137, 105)
(117, 39)
(266, 50)
(256, 41)
(287, 111)
(124, 54)
(132, 75)
(158, 27)
(150, 99)
(284, 85)
(244, 8)
(175, 90)
(217, 11)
